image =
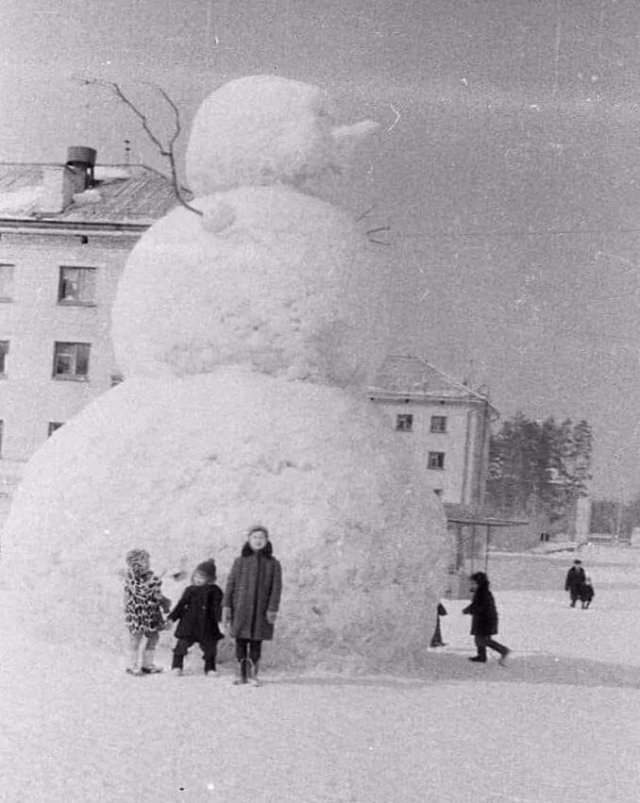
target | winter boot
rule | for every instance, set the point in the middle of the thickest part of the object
(243, 672)
(210, 667)
(177, 661)
(253, 673)
(148, 667)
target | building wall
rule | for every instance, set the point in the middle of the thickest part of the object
(461, 481)
(30, 397)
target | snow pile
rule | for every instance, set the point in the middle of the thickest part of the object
(21, 202)
(327, 477)
(86, 197)
(246, 336)
(107, 173)
(262, 130)
(289, 286)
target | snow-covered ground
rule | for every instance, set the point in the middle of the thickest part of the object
(560, 722)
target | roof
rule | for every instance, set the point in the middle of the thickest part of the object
(121, 194)
(406, 376)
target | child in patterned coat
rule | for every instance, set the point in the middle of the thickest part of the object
(143, 607)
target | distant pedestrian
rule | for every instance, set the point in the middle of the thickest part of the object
(436, 639)
(574, 580)
(144, 604)
(586, 592)
(251, 601)
(198, 612)
(484, 620)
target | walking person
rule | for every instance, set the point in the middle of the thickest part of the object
(484, 620)
(586, 592)
(251, 601)
(574, 581)
(144, 604)
(198, 612)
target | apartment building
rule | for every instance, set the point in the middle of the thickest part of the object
(446, 423)
(65, 233)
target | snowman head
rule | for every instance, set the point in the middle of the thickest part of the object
(262, 130)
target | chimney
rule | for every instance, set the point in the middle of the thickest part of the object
(60, 182)
(57, 190)
(81, 161)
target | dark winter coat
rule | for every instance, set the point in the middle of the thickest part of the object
(484, 615)
(253, 588)
(586, 592)
(575, 578)
(199, 611)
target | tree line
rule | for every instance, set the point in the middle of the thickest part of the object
(539, 469)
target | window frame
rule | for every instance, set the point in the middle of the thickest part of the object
(73, 376)
(6, 299)
(407, 418)
(435, 461)
(80, 301)
(4, 354)
(436, 430)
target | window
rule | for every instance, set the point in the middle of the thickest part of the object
(436, 460)
(4, 356)
(438, 423)
(76, 285)
(404, 422)
(71, 360)
(53, 425)
(6, 281)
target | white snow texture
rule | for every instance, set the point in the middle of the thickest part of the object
(290, 286)
(246, 336)
(262, 129)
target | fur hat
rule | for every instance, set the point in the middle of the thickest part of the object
(136, 558)
(208, 569)
(258, 528)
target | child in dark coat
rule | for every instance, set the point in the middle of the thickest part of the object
(199, 611)
(251, 601)
(586, 592)
(484, 619)
(144, 604)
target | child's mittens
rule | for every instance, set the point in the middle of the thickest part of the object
(271, 617)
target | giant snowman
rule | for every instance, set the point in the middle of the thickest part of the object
(246, 335)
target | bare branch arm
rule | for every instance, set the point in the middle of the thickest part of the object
(166, 151)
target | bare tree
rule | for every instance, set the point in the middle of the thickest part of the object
(168, 150)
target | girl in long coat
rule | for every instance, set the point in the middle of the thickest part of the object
(251, 601)
(484, 619)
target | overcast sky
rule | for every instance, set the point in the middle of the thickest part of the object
(508, 163)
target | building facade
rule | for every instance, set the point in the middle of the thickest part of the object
(65, 233)
(446, 424)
